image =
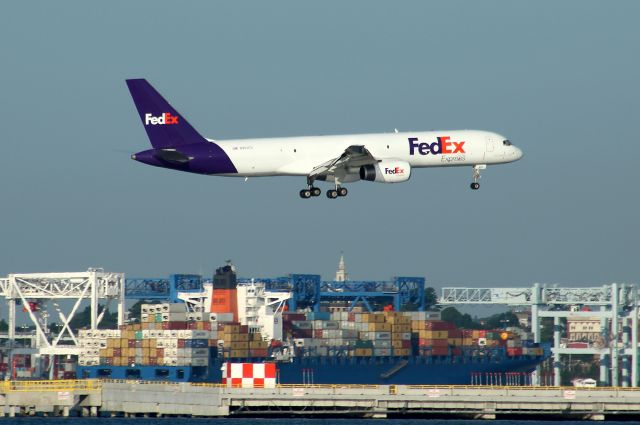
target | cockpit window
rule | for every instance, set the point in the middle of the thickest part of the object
(506, 142)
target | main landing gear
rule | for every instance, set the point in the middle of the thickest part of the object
(476, 176)
(311, 191)
(331, 194)
(315, 191)
(338, 191)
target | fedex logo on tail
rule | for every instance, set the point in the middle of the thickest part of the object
(164, 119)
(442, 146)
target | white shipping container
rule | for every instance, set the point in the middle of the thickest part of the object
(348, 325)
(382, 335)
(199, 352)
(222, 317)
(200, 334)
(173, 308)
(200, 361)
(174, 317)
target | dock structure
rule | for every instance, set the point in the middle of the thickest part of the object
(154, 399)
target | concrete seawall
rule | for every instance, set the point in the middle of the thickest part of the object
(136, 398)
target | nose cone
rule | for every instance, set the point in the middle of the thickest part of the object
(518, 153)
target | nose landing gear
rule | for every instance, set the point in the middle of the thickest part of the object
(476, 176)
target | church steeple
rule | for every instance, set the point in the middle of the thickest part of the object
(341, 273)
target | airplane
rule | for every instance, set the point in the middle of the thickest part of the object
(339, 159)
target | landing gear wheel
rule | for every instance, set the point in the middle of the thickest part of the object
(475, 186)
(332, 194)
(342, 191)
(305, 193)
(315, 191)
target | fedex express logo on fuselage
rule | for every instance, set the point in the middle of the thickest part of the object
(164, 119)
(442, 146)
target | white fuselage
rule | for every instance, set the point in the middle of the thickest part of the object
(300, 155)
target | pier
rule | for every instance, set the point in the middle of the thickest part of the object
(154, 399)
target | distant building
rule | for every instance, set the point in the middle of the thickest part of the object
(583, 329)
(341, 273)
(524, 318)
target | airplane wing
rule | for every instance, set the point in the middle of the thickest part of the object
(353, 156)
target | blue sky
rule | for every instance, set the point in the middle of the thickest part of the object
(560, 79)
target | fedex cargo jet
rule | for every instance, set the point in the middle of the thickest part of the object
(382, 158)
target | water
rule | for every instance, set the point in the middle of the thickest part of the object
(279, 421)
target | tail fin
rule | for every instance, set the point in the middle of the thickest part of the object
(165, 127)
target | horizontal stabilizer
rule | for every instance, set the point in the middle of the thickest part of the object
(172, 155)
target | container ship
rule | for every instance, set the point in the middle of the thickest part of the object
(196, 340)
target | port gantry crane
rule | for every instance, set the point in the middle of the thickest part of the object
(614, 304)
(38, 292)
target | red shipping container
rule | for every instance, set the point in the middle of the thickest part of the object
(352, 317)
(117, 352)
(131, 360)
(181, 343)
(439, 351)
(406, 344)
(192, 325)
(159, 352)
(303, 333)
(483, 334)
(438, 325)
(455, 333)
(514, 352)
(244, 329)
(317, 333)
(177, 325)
(433, 342)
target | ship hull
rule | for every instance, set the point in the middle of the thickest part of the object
(414, 370)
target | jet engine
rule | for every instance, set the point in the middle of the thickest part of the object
(386, 171)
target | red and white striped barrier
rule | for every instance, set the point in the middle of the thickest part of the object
(249, 375)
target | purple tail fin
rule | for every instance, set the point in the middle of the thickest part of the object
(165, 127)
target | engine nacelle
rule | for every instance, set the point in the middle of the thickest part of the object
(386, 171)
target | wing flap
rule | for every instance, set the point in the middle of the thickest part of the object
(353, 156)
